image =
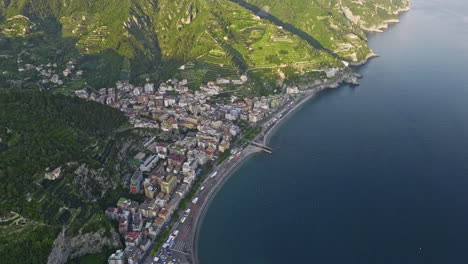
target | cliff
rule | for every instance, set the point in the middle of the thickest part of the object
(67, 247)
(372, 15)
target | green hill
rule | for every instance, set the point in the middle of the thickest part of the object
(137, 39)
(40, 130)
(373, 15)
(64, 45)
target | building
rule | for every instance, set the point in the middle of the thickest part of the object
(133, 254)
(169, 184)
(111, 213)
(123, 203)
(189, 178)
(234, 130)
(164, 214)
(190, 166)
(145, 245)
(140, 156)
(176, 160)
(123, 213)
(55, 174)
(154, 231)
(133, 207)
(135, 181)
(137, 223)
(149, 163)
(161, 199)
(123, 226)
(149, 210)
(223, 146)
(117, 213)
(132, 239)
(117, 258)
(179, 150)
(183, 189)
(150, 191)
(144, 209)
(292, 90)
(161, 149)
(174, 202)
(256, 116)
(149, 88)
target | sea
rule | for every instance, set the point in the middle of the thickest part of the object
(375, 174)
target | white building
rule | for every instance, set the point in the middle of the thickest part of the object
(149, 88)
(292, 90)
(149, 163)
(117, 258)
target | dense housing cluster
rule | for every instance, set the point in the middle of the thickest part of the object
(208, 126)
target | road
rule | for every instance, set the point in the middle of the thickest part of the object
(181, 251)
(184, 248)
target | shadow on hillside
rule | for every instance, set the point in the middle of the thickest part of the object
(286, 26)
(102, 67)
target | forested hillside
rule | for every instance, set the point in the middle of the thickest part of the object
(67, 45)
(40, 130)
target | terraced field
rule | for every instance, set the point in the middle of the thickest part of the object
(139, 39)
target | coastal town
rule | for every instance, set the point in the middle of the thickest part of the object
(212, 133)
(125, 130)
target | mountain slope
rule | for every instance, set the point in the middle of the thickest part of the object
(140, 39)
(39, 132)
(373, 15)
(71, 44)
(319, 21)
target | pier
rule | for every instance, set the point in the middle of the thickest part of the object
(263, 147)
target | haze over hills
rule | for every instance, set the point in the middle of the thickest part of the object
(136, 39)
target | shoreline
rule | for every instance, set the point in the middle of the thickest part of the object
(345, 77)
(195, 233)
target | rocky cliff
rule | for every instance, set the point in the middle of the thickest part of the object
(372, 15)
(67, 247)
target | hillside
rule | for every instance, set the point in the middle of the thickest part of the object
(373, 15)
(66, 45)
(39, 132)
(137, 39)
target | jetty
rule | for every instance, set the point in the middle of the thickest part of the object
(262, 147)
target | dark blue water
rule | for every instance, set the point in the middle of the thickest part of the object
(374, 174)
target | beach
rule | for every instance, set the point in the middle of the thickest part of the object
(270, 124)
(371, 174)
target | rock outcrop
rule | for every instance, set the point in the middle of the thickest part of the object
(368, 18)
(66, 247)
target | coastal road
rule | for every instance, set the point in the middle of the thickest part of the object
(181, 251)
(212, 185)
(269, 124)
(184, 248)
